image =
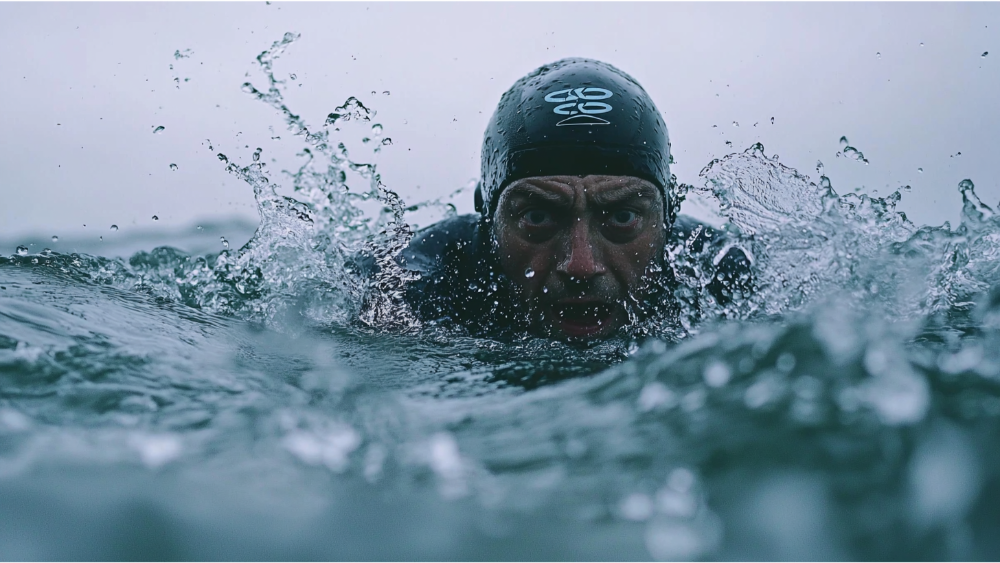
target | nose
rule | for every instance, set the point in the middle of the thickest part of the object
(582, 260)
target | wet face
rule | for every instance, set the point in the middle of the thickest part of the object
(577, 247)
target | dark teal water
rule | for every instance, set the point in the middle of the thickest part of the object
(267, 403)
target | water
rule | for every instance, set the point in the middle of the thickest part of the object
(267, 402)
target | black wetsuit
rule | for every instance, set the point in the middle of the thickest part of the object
(460, 283)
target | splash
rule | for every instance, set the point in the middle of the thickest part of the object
(303, 259)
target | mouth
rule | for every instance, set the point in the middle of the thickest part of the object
(583, 318)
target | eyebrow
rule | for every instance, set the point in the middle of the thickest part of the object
(529, 191)
(623, 193)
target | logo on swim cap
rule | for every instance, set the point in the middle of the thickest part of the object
(580, 112)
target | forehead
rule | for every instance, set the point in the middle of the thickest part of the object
(586, 189)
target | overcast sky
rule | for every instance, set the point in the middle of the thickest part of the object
(86, 83)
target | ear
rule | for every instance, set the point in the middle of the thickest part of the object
(479, 197)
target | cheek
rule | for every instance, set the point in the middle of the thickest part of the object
(633, 259)
(527, 265)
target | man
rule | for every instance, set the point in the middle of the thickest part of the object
(576, 212)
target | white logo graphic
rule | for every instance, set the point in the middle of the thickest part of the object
(581, 105)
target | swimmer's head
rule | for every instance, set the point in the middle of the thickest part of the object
(576, 186)
(574, 117)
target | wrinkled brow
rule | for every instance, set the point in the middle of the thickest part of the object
(528, 191)
(624, 193)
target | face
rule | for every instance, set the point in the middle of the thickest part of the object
(577, 247)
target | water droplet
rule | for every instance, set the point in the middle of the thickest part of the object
(101, 237)
(55, 238)
(114, 228)
(155, 218)
(224, 242)
(545, 290)
(377, 129)
(385, 92)
(983, 56)
(844, 142)
(921, 44)
(185, 54)
(173, 166)
(736, 124)
(223, 157)
(729, 143)
(529, 273)
(906, 188)
(158, 129)
(715, 126)
(22, 251)
(374, 92)
(878, 55)
(46, 252)
(772, 121)
(256, 154)
(819, 167)
(247, 87)
(920, 170)
(200, 227)
(387, 141)
(293, 77)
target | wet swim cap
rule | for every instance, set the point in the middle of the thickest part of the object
(573, 117)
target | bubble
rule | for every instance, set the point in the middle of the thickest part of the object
(529, 273)
(22, 250)
(158, 129)
(545, 290)
(55, 238)
(173, 166)
(717, 374)
(636, 506)
(114, 228)
(155, 218)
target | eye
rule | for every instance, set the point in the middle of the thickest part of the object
(537, 217)
(622, 218)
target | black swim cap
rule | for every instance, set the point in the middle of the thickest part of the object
(573, 117)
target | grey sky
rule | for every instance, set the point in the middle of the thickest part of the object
(85, 83)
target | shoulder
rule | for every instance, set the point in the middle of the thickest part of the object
(730, 261)
(432, 245)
